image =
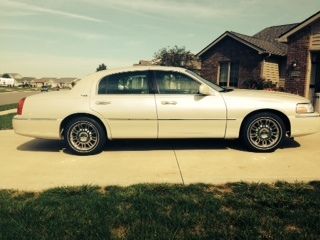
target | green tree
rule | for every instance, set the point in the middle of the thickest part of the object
(176, 57)
(101, 67)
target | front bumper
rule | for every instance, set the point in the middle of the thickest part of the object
(305, 124)
(37, 127)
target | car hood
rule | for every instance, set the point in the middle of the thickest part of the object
(263, 95)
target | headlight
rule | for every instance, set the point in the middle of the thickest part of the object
(304, 108)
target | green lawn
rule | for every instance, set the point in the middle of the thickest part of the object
(232, 211)
(2, 90)
(6, 121)
(8, 106)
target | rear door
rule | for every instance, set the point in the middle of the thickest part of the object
(127, 104)
(183, 112)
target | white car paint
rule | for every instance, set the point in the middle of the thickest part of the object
(215, 115)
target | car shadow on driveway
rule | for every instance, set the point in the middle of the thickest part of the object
(41, 145)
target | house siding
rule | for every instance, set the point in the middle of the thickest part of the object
(270, 70)
(230, 50)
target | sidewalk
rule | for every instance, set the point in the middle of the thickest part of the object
(14, 110)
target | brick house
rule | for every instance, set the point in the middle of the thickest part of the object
(288, 55)
(303, 58)
(234, 58)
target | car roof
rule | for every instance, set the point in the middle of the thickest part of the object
(138, 68)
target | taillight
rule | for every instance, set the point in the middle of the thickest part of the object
(20, 106)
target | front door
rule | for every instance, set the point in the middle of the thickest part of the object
(125, 102)
(183, 112)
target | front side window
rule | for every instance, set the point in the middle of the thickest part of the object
(125, 83)
(175, 83)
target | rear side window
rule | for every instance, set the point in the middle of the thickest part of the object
(125, 83)
(175, 83)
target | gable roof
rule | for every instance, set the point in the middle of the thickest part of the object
(284, 37)
(229, 34)
(44, 79)
(66, 80)
(263, 41)
(266, 46)
(13, 75)
(271, 34)
(25, 79)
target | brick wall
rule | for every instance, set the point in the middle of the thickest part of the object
(298, 50)
(234, 51)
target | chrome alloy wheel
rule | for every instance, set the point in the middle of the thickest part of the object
(264, 133)
(83, 136)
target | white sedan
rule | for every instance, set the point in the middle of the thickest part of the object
(162, 102)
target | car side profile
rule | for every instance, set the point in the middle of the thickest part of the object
(154, 102)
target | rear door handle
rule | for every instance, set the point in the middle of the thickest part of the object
(169, 103)
(103, 102)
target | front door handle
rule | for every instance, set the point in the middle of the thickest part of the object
(169, 103)
(103, 102)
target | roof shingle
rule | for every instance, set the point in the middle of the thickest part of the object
(266, 46)
(265, 40)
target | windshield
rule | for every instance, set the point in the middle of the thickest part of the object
(210, 84)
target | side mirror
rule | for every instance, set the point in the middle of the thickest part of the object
(204, 90)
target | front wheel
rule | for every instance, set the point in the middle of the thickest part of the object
(84, 136)
(263, 132)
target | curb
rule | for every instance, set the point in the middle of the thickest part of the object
(14, 110)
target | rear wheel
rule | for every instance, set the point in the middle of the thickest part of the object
(263, 132)
(84, 136)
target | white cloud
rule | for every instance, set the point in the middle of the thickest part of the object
(169, 7)
(78, 34)
(39, 9)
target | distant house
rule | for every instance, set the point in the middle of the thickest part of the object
(10, 79)
(234, 58)
(7, 81)
(53, 82)
(15, 76)
(67, 82)
(47, 81)
(194, 65)
(147, 62)
(25, 81)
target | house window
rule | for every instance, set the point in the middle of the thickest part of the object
(228, 74)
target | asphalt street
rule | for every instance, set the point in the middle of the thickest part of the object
(14, 97)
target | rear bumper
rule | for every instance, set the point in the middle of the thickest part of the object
(305, 124)
(37, 127)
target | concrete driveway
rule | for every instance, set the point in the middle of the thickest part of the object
(32, 164)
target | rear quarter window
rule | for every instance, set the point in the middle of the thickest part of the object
(125, 83)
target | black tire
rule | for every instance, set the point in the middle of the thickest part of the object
(84, 136)
(263, 132)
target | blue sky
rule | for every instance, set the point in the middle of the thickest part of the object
(71, 38)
